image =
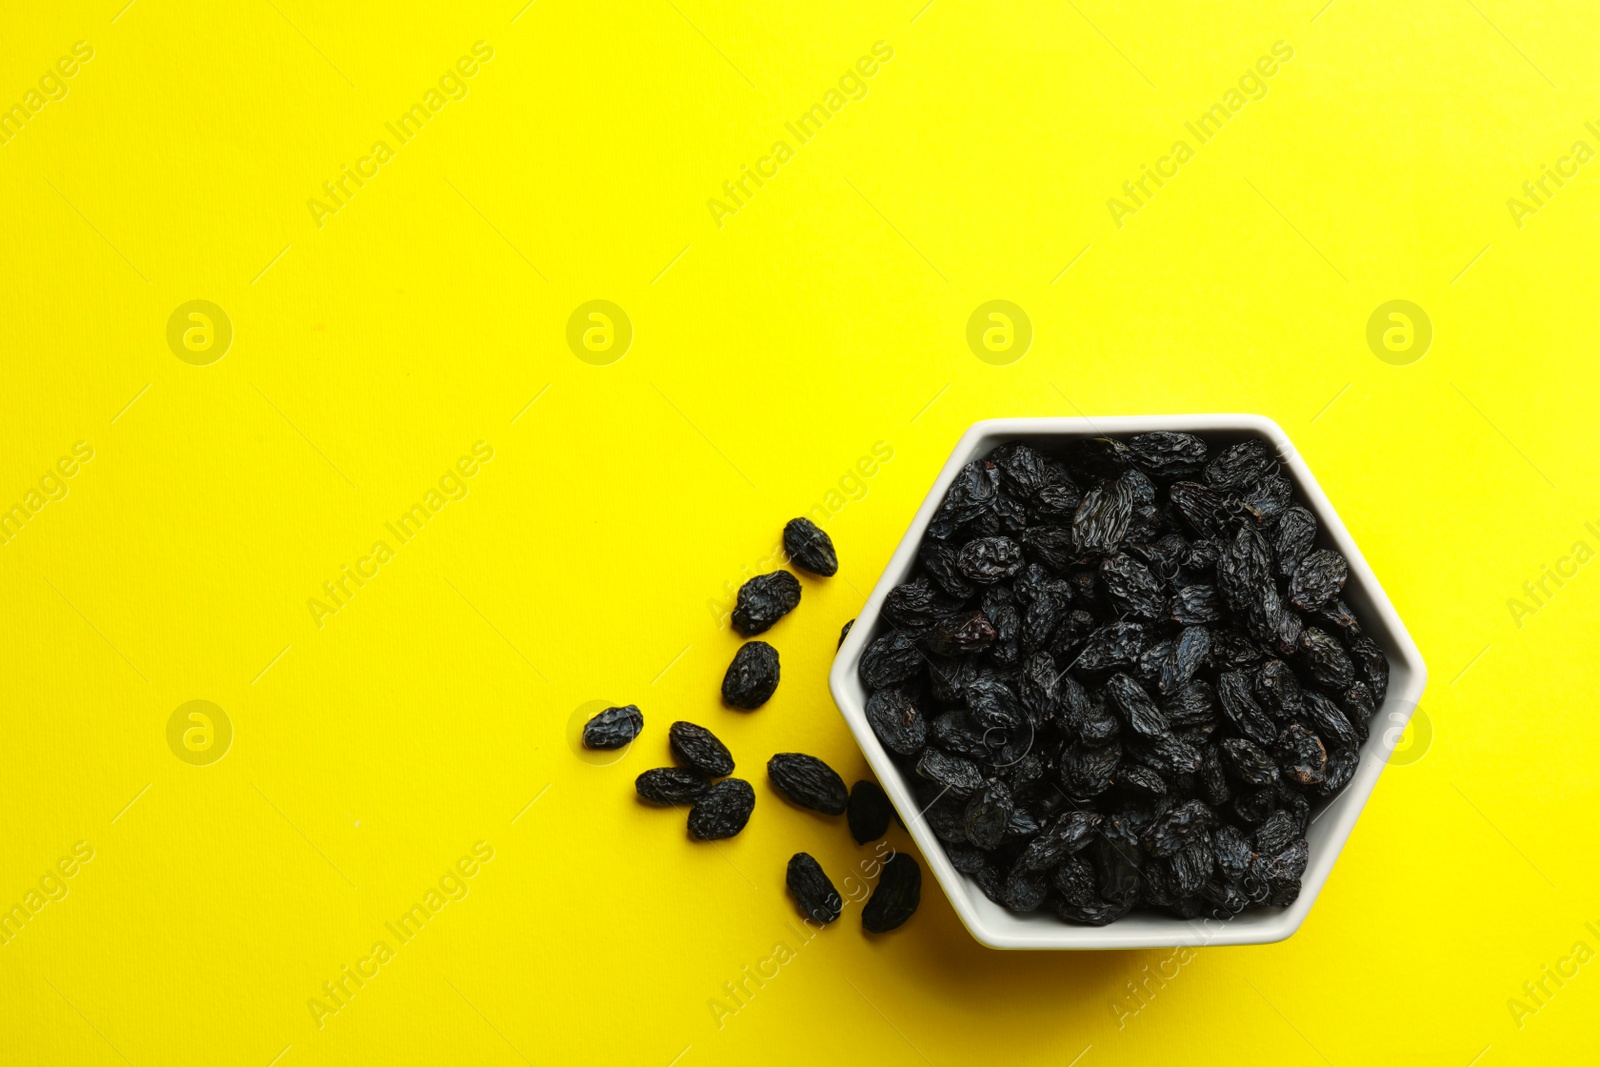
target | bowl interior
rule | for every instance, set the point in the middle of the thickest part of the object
(1332, 819)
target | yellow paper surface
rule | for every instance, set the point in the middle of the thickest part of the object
(393, 216)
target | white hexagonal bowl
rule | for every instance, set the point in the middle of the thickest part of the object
(996, 927)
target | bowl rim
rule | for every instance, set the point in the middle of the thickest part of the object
(992, 926)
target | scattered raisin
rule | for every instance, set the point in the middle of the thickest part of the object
(752, 677)
(896, 896)
(722, 810)
(808, 782)
(868, 811)
(810, 548)
(763, 600)
(613, 727)
(698, 748)
(812, 891)
(671, 785)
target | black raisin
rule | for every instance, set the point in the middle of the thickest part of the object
(987, 560)
(697, 747)
(810, 548)
(1064, 836)
(1102, 519)
(1317, 579)
(808, 782)
(1301, 755)
(763, 600)
(988, 813)
(868, 811)
(896, 896)
(722, 810)
(613, 727)
(752, 677)
(1248, 762)
(894, 717)
(960, 776)
(892, 658)
(956, 635)
(812, 891)
(671, 785)
(1133, 588)
(1240, 465)
(1165, 454)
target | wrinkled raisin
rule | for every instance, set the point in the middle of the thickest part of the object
(892, 658)
(894, 717)
(868, 811)
(810, 548)
(698, 748)
(752, 677)
(671, 785)
(723, 810)
(896, 896)
(613, 727)
(763, 600)
(812, 891)
(956, 635)
(808, 782)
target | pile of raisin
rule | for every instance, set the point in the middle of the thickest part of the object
(722, 809)
(1121, 676)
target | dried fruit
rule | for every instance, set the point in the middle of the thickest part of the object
(1121, 676)
(671, 785)
(613, 727)
(1134, 590)
(722, 810)
(896, 897)
(698, 748)
(844, 632)
(1164, 454)
(1317, 579)
(894, 717)
(812, 891)
(956, 635)
(810, 548)
(988, 814)
(960, 776)
(987, 560)
(763, 600)
(1240, 465)
(808, 782)
(1248, 762)
(868, 811)
(752, 677)
(1301, 755)
(892, 658)
(1101, 521)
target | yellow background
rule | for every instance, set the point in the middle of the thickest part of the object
(769, 355)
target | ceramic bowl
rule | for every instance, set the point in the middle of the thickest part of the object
(1332, 820)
